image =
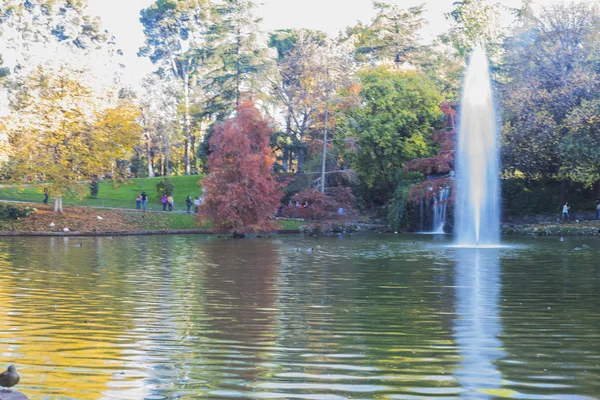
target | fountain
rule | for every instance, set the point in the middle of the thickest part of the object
(439, 211)
(477, 207)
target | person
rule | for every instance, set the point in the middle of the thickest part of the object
(144, 197)
(138, 202)
(306, 204)
(188, 203)
(565, 210)
(45, 201)
(197, 204)
(163, 199)
(598, 209)
(170, 202)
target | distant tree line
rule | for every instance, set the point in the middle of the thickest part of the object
(373, 109)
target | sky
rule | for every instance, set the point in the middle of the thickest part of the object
(121, 18)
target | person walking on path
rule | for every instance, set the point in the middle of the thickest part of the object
(565, 210)
(188, 203)
(170, 202)
(196, 205)
(138, 201)
(144, 197)
(164, 202)
(45, 201)
(598, 209)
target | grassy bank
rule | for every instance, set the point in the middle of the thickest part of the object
(83, 219)
(121, 195)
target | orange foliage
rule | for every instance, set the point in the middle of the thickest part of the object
(241, 192)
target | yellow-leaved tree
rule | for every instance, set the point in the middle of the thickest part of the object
(63, 135)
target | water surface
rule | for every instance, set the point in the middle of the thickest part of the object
(361, 317)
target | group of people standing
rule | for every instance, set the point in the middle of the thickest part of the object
(141, 202)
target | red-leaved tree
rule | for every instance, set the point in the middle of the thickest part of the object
(241, 194)
(436, 168)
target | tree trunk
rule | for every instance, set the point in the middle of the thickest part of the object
(598, 190)
(58, 204)
(187, 122)
(563, 190)
(150, 163)
(325, 144)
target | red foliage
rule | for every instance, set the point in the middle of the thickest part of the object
(322, 207)
(428, 189)
(441, 164)
(241, 192)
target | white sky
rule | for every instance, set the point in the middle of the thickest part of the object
(121, 18)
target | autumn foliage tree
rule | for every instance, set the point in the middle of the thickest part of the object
(241, 192)
(436, 168)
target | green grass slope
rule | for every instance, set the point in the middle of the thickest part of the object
(119, 196)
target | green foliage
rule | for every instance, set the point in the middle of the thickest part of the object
(236, 53)
(399, 112)
(399, 206)
(165, 187)
(13, 212)
(550, 100)
(521, 197)
(579, 149)
(391, 37)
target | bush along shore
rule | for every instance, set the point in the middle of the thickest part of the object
(584, 228)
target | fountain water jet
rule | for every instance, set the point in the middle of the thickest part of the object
(477, 208)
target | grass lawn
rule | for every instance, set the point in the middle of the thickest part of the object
(121, 196)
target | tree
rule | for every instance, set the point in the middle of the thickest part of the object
(158, 102)
(391, 37)
(241, 192)
(294, 90)
(399, 112)
(51, 32)
(174, 32)
(237, 59)
(58, 134)
(476, 21)
(551, 98)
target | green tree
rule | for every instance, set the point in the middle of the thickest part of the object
(236, 56)
(391, 37)
(476, 21)
(399, 112)
(175, 42)
(549, 102)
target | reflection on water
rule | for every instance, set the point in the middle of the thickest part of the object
(478, 325)
(394, 317)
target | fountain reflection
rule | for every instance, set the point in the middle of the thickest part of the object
(477, 326)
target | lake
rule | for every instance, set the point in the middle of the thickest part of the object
(363, 317)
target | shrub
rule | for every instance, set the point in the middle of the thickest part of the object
(165, 187)
(322, 207)
(94, 188)
(12, 212)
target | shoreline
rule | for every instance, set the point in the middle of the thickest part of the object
(135, 233)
